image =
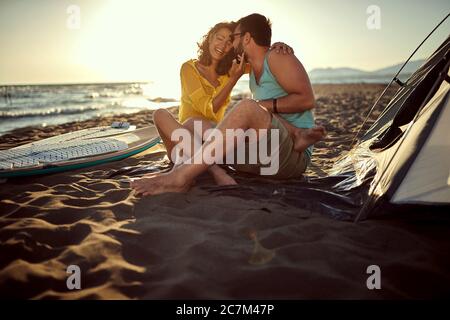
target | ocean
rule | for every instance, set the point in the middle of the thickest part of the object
(42, 105)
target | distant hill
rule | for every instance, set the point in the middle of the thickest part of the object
(349, 75)
(409, 68)
(336, 72)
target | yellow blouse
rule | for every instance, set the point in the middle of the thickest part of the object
(197, 94)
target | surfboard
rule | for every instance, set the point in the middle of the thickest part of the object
(75, 150)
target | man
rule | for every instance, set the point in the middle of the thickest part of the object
(283, 103)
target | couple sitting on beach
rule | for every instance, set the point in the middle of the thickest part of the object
(278, 120)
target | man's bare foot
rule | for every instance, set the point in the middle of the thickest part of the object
(161, 183)
(221, 177)
(303, 138)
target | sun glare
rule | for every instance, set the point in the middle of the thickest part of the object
(141, 41)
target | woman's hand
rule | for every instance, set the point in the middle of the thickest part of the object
(282, 47)
(238, 68)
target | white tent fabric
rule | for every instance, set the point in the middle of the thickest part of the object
(427, 180)
(404, 157)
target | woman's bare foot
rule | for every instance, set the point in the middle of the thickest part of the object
(172, 181)
(221, 177)
(303, 138)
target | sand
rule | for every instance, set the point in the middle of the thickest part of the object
(249, 241)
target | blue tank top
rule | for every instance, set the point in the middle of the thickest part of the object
(269, 88)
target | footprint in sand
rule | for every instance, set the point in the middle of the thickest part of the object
(260, 254)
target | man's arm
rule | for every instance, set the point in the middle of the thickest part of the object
(292, 77)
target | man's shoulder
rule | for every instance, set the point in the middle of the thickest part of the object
(275, 59)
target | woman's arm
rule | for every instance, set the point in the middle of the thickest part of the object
(236, 71)
(283, 47)
(223, 94)
(192, 88)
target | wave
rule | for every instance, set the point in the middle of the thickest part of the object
(48, 112)
(162, 100)
(113, 94)
(20, 95)
(91, 91)
(95, 95)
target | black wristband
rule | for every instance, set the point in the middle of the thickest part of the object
(274, 106)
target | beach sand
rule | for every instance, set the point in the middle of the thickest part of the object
(213, 243)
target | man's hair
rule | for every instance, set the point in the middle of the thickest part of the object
(259, 27)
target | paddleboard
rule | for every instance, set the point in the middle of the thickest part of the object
(75, 150)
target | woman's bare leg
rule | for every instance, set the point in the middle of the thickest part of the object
(221, 177)
(166, 124)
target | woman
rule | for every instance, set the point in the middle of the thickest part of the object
(206, 85)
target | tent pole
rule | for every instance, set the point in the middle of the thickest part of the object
(393, 79)
(365, 210)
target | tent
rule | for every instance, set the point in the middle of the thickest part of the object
(405, 154)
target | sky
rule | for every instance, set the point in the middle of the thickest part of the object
(86, 41)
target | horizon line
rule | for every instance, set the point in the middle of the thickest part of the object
(69, 83)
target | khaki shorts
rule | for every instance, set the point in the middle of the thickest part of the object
(292, 164)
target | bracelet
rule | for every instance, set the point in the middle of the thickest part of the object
(274, 106)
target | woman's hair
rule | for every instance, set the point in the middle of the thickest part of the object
(204, 56)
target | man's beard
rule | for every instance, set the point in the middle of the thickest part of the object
(240, 50)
